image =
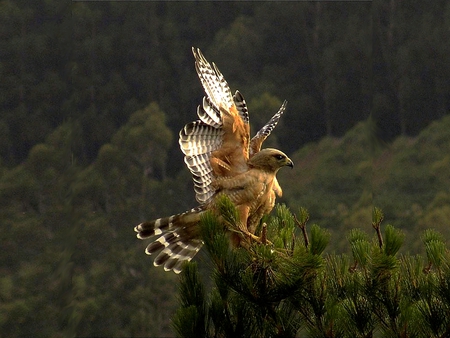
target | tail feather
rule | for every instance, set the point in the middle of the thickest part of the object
(178, 239)
(174, 255)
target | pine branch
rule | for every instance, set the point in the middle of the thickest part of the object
(377, 218)
(304, 218)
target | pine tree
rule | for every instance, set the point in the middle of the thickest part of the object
(288, 287)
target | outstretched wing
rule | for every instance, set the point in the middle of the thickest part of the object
(213, 82)
(218, 143)
(264, 132)
(197, 141)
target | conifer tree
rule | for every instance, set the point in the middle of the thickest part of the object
(288, 287)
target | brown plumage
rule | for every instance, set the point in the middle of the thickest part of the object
(223, 160)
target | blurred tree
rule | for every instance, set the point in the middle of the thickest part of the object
(129, 170)
(409, 58)
(146, 139)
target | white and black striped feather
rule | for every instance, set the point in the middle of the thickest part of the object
(197, 141)
(213, 82)
(241, 106)
(176, 242)
(265, 131)
(209, 114)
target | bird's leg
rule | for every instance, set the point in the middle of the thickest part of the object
(243, 227)
(243, 211)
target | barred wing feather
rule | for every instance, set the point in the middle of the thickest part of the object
(215, 85)
(197, 141)
(264, 132)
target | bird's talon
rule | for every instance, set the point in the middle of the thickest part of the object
(260, 240)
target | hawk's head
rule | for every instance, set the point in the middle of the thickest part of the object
(270, 160)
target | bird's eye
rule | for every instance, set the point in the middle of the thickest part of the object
(279, 157)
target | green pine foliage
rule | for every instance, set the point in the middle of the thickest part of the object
(289, 287)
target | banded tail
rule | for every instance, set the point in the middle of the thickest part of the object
(178, 239)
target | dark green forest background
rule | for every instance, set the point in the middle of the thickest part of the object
(93, 94)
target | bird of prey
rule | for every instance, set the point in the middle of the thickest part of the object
(223, 160)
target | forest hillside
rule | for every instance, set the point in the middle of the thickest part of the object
(70, 251)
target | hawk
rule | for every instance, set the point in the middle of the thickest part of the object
(223, 160)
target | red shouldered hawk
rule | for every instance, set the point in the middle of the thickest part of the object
(223, 160)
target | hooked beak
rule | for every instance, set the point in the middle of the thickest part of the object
(290, 163)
